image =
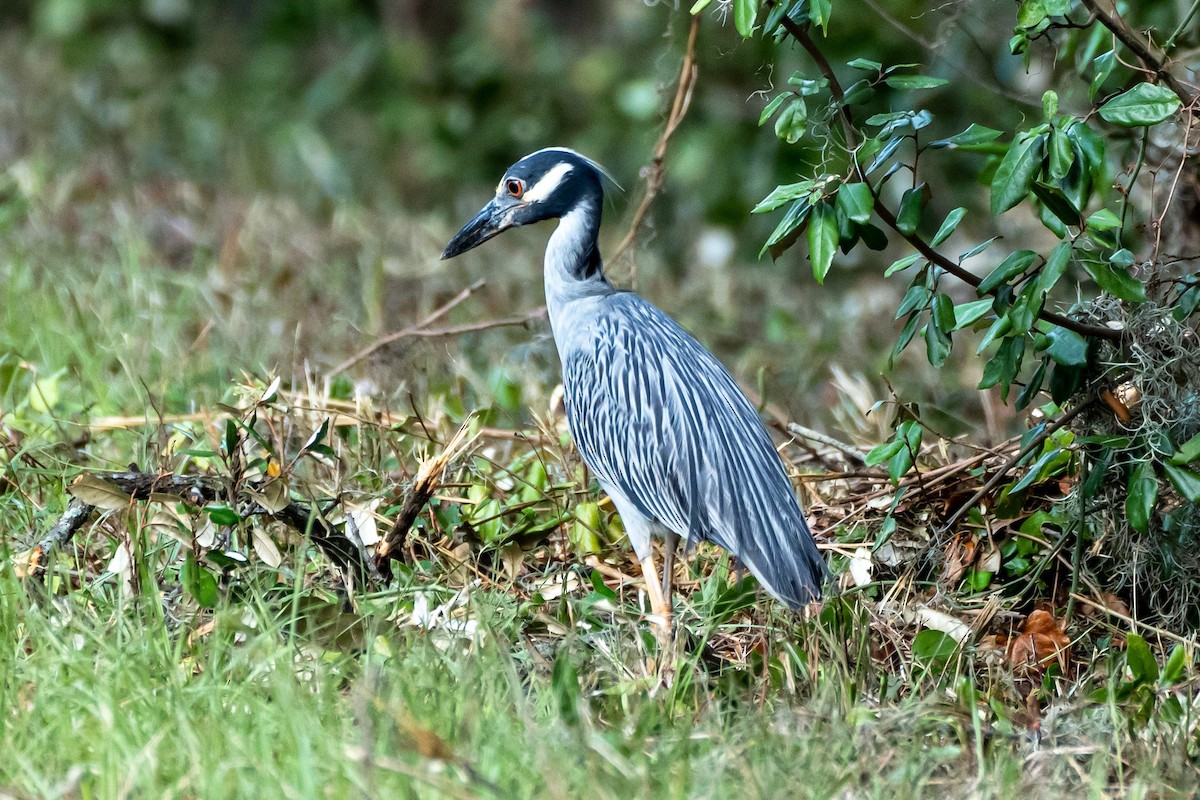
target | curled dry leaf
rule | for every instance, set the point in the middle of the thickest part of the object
(265, 547)
(167, 523)
(960, 554)
(955, 628)
(1041, 641)
(99, 493)
(362, 517)
(860, 566)
(272, 495)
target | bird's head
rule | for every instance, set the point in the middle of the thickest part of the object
(542, 185)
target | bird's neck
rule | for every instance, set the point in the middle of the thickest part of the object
(573, 266)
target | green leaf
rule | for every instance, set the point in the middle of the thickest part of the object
(699, 6)
(1117, 282)
(1030, 13)
(199, 583)
(865, 64)
(948, 225)
(1055, 266)
(909, 82)
(222, 514)
(976, 138)
(883, 452)
(1188, 452)
(933, 648)
(1016, 264)
(744, 14)
(796, 214)
(1140, 660)
(819, 12)
(1039, 470)
(1049, 105)
(1062, 155)
(856, 202)
(822, 239)
(1185, 481)
(908, 433)
(772, 107)
(1067, 347)
(1144, 104)
(969, 313)
(1141, 497)
(1017, 171)
(901, 264)
(937, 332)
(791, 124)
(908, 218)
(1172, 671)
(1103, 65)
(1001, 370)
(1103, 220)
(783, 194)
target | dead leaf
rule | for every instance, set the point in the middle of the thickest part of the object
(167, 523)
(272, 495)
(960, 554)
(1041, 641)
(955, 628)
(99, 493)
(265, 547)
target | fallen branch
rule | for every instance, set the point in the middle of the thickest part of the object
(853, 453)
(429, 475)
(196, 490)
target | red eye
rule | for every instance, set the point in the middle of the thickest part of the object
(514, 187)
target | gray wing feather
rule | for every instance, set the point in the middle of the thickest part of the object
(658, 418)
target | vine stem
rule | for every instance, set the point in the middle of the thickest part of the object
(800, 34)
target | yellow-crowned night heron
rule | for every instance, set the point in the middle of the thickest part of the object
(665, 429)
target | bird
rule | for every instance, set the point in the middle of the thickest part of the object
(662, 425)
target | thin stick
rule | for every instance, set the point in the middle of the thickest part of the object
(1124, 618)
(816, 436)
(412, 330)
(654, 180)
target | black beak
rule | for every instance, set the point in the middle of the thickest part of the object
(492, 219)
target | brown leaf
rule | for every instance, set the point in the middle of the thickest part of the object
(99, 493)
(1041, 641)
(960, 554)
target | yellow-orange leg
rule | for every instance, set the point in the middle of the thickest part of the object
(664, 664)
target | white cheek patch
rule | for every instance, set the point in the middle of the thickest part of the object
(548, 183)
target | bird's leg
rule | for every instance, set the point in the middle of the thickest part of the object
(670, 543)
(658, 605)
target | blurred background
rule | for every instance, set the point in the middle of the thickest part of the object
(192, 191)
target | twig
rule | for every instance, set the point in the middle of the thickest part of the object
(483, 325)
(1007, 467)
(654, 180)
(1145, 51)
(429, 476)
(1087, 601)
(412, 330)
(800, 34)
(853, 453)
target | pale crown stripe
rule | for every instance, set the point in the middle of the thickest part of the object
(549, 182)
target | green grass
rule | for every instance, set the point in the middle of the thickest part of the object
(104, 698)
